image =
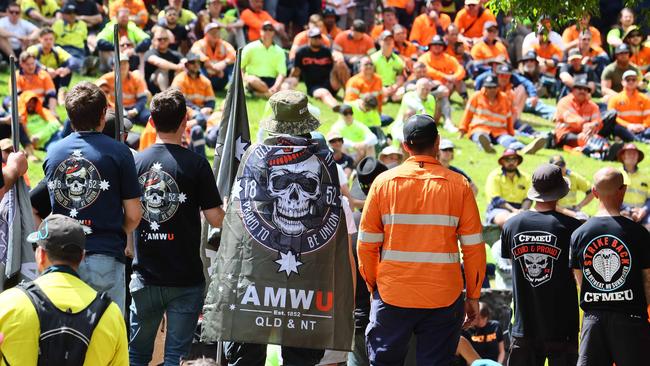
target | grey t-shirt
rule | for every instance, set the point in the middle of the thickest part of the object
(22, 28)
(615, 74)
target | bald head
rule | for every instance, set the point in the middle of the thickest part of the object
(608, 182)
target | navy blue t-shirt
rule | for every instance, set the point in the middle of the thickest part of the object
(176, 184)
(88, 175)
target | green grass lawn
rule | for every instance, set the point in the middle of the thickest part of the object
(468, 157)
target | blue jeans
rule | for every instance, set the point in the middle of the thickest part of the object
(105, 273)
(543, 110)
(505, 140)
(182, 306)
(390, 329)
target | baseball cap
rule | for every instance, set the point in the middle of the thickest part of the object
(437, 40)
(581, 82)
(345, 108)
(629, 73)
(529, 56)
(59, 233)
(69, 9)
(548, 184)
(390, 150)
(210, 26)
(385, 34)
(191, 57)
(267, 25)
(504, 70)
(489, 25)
(109, 126)
(446, 144)
(420, 128)
(574, 53)
(314, 32)
(471, 2)
(334, 135)
(490, 81)
(622, 48)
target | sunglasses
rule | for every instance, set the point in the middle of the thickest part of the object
(347, 113)
(510, 160)
(13, 12)
(162, 39)
(447, 150)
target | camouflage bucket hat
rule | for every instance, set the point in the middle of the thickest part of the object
(289, 114)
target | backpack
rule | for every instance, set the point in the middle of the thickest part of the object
(65, 336)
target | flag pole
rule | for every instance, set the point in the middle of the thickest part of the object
(119, 111)
(15, 127)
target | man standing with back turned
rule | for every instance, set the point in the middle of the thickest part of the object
(413, 217)
(611, 261)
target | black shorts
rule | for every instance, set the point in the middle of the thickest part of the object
(530, 352)
(609, 337)
(311, 88)
(268, 81)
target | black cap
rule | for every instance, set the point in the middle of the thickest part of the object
(622, 48)
(367, 170)
(548, 184)
(581, 82)
(359, 25)
(420, 128)
(109, 126)
(319, 138)
(529, 56)
(329, 11)
(267, 25)
(59, 233)
(437, 40)
(345, 108)
(69, 9)
(504, 69)
(490, 81)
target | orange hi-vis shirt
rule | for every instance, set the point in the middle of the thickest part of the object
(222, 51)
(551, 52)
(332, 33)
(572, 33)
(493, 118)
(470, 26)
(358, 87)
(348, 46)
(254, 22)
(136, 9)
(196, 90)
(570, 117)
(641, 59)
(485, 53)
(133, 87)
(440, 66)
(631, 109)
(423, 28)
(452, 52)
(397, 3)
(412, 221)
(302, 39)
(39, 82)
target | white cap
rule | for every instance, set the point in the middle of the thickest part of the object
(446, 144)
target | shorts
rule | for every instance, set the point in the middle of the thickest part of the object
(609, 337)
(311, 88)
(491, 214)
(268, 81)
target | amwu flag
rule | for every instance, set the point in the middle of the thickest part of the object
(283, 273)
(16, 221)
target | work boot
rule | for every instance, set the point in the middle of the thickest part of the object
(486, 144)
(537, 144)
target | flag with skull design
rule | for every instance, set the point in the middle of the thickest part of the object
(283, 271)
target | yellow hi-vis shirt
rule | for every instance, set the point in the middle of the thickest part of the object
(578, 183)
(638, 188)
(512, 190)
(21, 329)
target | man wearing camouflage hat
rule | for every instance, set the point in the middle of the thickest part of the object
(283, 237)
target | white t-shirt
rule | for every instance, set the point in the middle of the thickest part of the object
(349, 218)
(530, 41)
(22, 28)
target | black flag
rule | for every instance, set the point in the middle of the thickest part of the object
(234, 133)
(16, 221)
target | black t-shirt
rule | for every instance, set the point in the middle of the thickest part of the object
(544, 289)
(584, 71)
(486, 340)
(149, 69)
(345, 161)
(86, 7)
(40, 199)
(315, 66)
(180, 34)
(611, 252)
(176, 185)
(454, 169)
(361, 295)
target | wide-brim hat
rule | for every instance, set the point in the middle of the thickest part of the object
(548, 184)
(626, 147)
(289, 114)
(631, 30)
(367, 170)
(508, 153)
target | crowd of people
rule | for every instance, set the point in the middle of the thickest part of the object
(103, 202)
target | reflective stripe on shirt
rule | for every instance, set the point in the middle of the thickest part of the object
(419, 257)
(419, 219)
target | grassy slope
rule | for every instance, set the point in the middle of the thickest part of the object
(468, 157)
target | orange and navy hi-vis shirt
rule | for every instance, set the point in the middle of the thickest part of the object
(572, 33)
(406, 49)
(133, 88)
(442, 65)
(412, 221)
(254, 22)
(357, 88)
(485, 53)
(196, 90)
(551, 52)
(641, 58)
(451, 51)
(222, 50)
(570, 117)
(471, 26)
(631, 109)
(40, 82)
(423, 28)
(481, 115)
(136, 9)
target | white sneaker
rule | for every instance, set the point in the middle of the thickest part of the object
(449, 126)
